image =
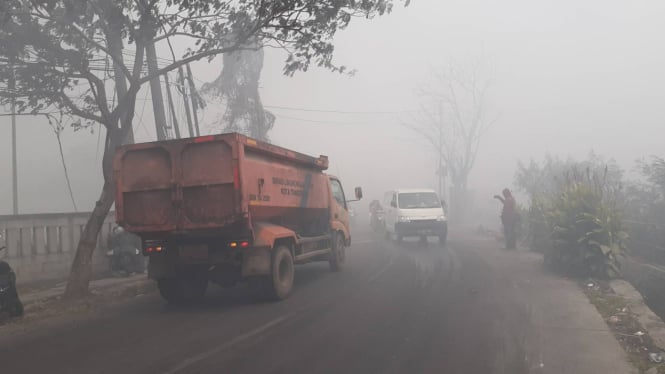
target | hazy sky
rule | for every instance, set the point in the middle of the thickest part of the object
(568, 77)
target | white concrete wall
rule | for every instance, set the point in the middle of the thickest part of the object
(41, 247)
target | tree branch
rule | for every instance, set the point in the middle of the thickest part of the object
(187, 60)
(78, 112)
(116, 59)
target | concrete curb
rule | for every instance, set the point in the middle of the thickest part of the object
(645, 316)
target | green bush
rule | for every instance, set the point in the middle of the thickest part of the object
(586, 232)
(537, 231)
(574, 216)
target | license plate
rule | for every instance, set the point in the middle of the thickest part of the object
(423, 231)
(199, 251)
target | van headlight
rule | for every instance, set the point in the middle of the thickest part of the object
(403, 219)
(441, 218)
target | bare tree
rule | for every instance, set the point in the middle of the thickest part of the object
(452, 119)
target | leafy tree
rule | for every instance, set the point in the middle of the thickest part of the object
(654, 172)
(70, 56)
(645, 209)
(238, 86)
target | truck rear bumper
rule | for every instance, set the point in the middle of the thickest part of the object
(248, 261)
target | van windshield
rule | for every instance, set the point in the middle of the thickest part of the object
(418, 200)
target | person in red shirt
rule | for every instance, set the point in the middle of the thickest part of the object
(508, 218)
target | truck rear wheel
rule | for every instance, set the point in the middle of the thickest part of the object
(280, 283)
(182, 290)
(338, 253)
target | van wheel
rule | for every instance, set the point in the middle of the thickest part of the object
(183, 290)
(338, 254)
(443, 237)
(280, 283)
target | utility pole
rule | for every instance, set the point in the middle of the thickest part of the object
(195, 103)
(156, 92)
(170, 99)
(441, 172)
(115, 46)
(183, 91)
(12, 89)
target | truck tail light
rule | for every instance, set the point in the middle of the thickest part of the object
(241, 244)
(244, 244)
(153, 249)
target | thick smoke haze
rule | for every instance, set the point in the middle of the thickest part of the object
(568, 78)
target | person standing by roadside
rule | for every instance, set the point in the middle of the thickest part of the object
(509, 218)
(125, 252)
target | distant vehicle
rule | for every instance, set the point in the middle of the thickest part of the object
(376, 216)
(227, 208)
(10, 303)
(352, 216)
(415, 212)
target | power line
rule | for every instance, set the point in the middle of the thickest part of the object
(141, 124)
(327, 122)
(335, 111)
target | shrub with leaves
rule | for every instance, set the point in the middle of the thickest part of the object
(537, 232)
(586, 232)
(574, 217)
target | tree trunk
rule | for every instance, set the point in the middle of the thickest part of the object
(81, 270)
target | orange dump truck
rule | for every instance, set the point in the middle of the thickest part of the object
(226, 208)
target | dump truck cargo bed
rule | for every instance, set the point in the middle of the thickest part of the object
(214, 181)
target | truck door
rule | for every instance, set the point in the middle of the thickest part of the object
(339, 209)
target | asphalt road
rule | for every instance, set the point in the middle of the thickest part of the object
(468, 308)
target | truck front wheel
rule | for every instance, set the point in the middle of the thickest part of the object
(338, 253)
(182, 290)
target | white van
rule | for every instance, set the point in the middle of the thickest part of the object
(414, 212)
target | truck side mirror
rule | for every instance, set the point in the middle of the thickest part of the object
(393, 204)
(359, 193)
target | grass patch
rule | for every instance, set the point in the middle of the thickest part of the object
(632, 337)
(97, 300)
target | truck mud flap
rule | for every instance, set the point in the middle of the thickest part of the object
(158, 268)
(256, 262)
